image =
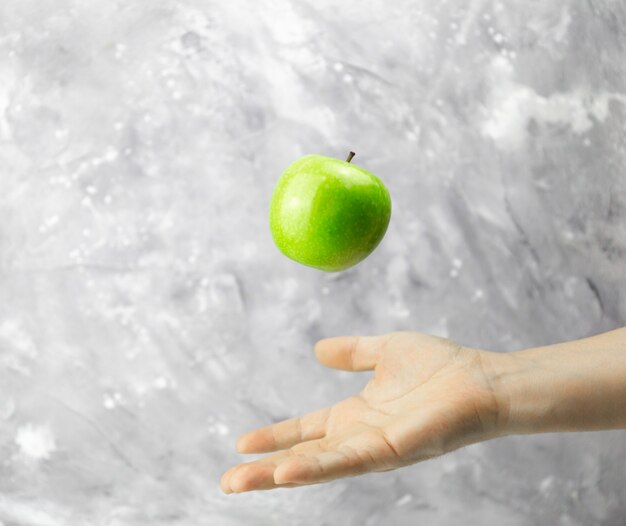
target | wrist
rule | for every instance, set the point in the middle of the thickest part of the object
(577, 385)
(522, 390)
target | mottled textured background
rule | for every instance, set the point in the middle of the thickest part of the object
(146, 318)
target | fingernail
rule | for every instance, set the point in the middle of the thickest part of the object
(279, 477)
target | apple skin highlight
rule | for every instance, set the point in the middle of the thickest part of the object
(327, 213)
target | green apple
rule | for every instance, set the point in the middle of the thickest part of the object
(327, 213)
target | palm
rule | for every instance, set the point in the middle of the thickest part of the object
(427, 396)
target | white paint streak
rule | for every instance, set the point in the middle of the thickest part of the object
(513, 106)
(36, 441)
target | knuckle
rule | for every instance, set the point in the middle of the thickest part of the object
(353, 352)
(300, 432)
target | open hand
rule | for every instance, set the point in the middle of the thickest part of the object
(428, 396)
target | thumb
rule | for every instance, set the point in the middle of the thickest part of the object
(350, 353)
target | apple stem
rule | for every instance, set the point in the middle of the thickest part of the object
(350, 156)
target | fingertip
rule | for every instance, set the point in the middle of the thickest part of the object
(333, 341)
(259, 440)
(348, 353)
(225, 479)
(242, 445)
(279, 475)
(321, 345)
(241, 481)
(251, 476)
(326, 348)
(318, 351)
(224, 490)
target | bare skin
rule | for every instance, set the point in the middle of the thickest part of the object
(430, 395)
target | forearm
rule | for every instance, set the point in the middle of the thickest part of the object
(578, 385)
